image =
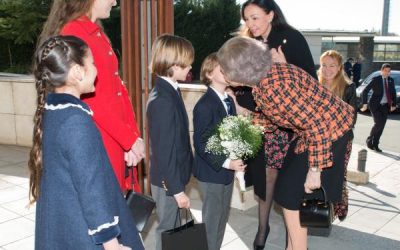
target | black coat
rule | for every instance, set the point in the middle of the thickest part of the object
(350, 97)
(207, 114)
(168, 125)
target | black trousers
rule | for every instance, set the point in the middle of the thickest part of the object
(379, 115)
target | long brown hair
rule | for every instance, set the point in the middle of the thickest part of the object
(341, 81)
(61, 12)
(53, 61)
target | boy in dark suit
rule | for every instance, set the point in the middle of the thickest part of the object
(215, 173)
(168, 126)
(383, 101)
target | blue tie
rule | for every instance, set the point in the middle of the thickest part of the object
(229, 106)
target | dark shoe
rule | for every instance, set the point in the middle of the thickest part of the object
(260, 247)
(377, 149)
(369, 143)
(342, 217)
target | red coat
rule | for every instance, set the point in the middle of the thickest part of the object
(110, 103)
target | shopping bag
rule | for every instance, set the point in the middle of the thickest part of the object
(189, 236)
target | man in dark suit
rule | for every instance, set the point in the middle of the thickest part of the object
(383, 101)
(357, 72)
(215, 173)
(348, 67)
(168, 127)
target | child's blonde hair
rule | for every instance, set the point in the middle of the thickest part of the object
(169, 50)
(208, 65)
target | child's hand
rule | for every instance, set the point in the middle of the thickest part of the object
(237, 165)
(182, 199)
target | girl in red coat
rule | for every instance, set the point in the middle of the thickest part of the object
(110, 103)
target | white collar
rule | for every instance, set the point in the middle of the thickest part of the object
(170, 81)
(222, 97)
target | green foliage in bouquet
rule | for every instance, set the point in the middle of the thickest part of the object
(236, 137)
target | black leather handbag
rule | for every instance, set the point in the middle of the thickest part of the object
(141, 207)
(316, 212)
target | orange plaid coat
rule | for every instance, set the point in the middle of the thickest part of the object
(289, 97)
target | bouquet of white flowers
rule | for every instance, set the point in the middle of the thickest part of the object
(237, 138)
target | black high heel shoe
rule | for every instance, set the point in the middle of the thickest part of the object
(261, 247)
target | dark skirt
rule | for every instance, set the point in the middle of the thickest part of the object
(289, 188)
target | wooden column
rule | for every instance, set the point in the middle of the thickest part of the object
(141, 22)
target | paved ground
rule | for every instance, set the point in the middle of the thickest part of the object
(373, 222)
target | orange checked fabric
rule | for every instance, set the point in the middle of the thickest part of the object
(289, 97)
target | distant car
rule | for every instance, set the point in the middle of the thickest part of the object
(395, 74)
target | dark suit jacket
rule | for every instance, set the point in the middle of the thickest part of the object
(207, 114)
(171, 154)
(377, 87)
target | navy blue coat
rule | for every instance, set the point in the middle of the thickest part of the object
(207, 114)
(171, 154)
(80, 204)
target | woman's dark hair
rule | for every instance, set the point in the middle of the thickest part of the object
(53, 61)
(279, 21)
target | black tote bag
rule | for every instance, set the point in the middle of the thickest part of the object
(189, 236)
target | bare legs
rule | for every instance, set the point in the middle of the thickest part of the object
(296, 235)
(264, 208)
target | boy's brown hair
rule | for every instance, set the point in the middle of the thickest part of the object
(208, 65)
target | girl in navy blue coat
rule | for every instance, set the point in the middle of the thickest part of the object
(79, 203)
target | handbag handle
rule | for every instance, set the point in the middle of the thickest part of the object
(178, 213)
(323, 193)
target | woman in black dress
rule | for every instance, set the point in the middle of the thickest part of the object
(265, 21)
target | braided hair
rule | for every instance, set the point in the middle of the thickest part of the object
(53, 61)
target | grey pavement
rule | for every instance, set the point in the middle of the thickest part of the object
(373, 221)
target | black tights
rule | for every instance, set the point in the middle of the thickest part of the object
(264, 207)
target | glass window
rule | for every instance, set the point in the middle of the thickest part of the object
(379, 56)
(392, 47)
(379, 47)
(392, 56)
(387, 52)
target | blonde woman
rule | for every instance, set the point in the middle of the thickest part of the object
(332, 75)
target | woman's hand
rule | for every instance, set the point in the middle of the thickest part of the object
(313, 181)
(138, 148)
(131, 158)
(239, 109)
(277, 55)
(364, 108)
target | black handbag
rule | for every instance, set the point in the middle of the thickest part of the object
(187, 236)
(141, 207)
(316, 212)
